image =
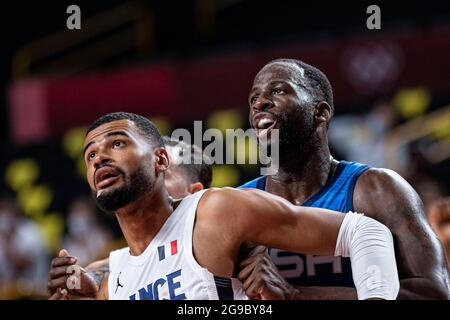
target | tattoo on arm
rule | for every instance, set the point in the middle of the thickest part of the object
(99, 273)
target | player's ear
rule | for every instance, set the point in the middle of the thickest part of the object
(195, 187)
(161, 159)
(323, 112)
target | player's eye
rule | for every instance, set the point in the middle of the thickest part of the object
(253, 99)
(277, 91)
(91, 155)
(118, 144)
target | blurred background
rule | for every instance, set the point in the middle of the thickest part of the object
(180, 61)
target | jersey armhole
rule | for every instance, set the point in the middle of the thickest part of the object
(352, 186)
(188, 240)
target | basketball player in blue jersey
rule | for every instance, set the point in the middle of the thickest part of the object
(297, 99)
(190, 249)
(181, 179)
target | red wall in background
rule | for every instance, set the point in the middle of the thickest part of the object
(358, 68)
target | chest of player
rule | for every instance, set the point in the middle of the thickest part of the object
(160, 275)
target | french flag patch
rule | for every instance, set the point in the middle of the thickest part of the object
(168, 250)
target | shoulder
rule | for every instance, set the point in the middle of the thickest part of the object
(219, 196)
(231, 198)
(381, 177)
(386, 183)
(217, 202)
(380, 191)
(236, 207)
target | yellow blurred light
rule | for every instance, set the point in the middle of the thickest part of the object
(81, 168)
(412, 102)
(34, 200)
(21, 173)
(73, 141)
(225, 176)
(225, 119)
(52, 227)
(441, 128)
(163, 124)
(245, 150)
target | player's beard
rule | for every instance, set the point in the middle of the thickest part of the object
(133, 187)
(297, 140)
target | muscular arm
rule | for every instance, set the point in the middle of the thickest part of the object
(227, 220)
(388, 198)
(251, 217)
(98, 269)
(102, 293)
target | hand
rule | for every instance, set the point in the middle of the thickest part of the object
(66, 280)
(261, 279)
(60, 294)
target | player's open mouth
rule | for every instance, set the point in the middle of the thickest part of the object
(105, 177)
(264, 123)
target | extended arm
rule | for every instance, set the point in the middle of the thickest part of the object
(256, 217)
(388, 198)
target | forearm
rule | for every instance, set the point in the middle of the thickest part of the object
(324, 293)
(421, 288)
(98, 273)
(98, 269)
(410, 289)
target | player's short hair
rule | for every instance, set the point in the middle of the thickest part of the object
(143, 124)
(318, 81)
(201, 172)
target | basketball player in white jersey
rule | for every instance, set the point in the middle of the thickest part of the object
(181, 179)
(190, 249)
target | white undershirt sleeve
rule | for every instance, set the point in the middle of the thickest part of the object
(370, 246)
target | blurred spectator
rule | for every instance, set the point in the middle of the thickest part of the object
(362, 138)
(86, 238)
(420, 175)
(439, 217)
(23, 257)
(189, 171)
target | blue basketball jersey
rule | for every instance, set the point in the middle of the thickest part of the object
(307, 270)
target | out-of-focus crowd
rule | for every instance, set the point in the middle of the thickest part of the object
(24, 258)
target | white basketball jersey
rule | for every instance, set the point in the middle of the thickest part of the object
(167, 268)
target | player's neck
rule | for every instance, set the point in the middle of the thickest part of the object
(298, 183)
(141, 220)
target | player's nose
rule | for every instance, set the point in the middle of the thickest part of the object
(100, 159)
(262, 103)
